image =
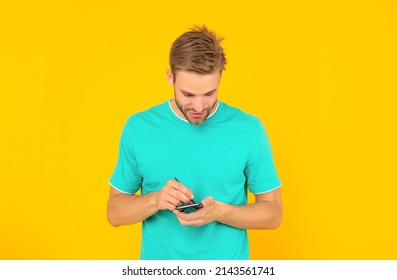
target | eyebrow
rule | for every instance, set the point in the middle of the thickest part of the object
(189, 93)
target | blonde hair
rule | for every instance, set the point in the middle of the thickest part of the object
(197, 50)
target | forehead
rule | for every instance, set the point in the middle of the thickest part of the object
(196, 83)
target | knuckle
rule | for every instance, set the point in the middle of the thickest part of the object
(167, 185)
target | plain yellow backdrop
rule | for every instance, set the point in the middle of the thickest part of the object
(320, 74)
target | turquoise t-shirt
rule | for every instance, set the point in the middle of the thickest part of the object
(222, 157)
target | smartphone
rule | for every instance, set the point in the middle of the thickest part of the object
(188, 206)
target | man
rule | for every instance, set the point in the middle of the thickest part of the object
(195, 147)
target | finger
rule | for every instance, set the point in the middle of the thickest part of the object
(173, 188)
(182, 188)
(187, 217)
(164, 197)
(172, 200)
(208, 201)
(180, 196)
(182, 218)
(168, 206)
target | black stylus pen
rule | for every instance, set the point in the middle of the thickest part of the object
(176, 179)
(194, 204)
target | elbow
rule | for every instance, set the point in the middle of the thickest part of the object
(278, 220)
(112, 215)
(275, 222)
(112, 221)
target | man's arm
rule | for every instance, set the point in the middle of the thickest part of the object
(265, 213)
(125, 209)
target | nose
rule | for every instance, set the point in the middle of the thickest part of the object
(198, 105)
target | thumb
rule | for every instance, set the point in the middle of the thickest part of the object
(208, 201)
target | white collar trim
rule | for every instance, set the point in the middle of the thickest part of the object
(169, 104)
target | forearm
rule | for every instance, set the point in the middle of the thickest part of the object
(259, 215)
(125, 209)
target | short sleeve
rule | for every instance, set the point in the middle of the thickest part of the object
(126, 177)
(260, 170)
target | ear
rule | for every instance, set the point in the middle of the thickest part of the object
(170, 77)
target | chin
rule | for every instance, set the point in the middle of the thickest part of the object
(196, 122)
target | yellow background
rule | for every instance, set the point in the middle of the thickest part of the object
(320, 74)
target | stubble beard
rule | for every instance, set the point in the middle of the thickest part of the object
(195, 121)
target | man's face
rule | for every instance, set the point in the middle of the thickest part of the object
(195, 94)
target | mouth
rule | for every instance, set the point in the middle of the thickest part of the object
(196, 115)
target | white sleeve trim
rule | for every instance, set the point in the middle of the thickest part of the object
(268, 190)
(119, 189)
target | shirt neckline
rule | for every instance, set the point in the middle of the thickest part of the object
(179, 119)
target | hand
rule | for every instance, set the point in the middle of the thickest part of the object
(208, 213)
(171, 195)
